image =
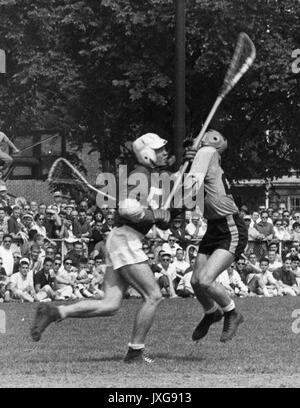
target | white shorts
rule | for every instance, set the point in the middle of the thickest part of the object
(124, 247)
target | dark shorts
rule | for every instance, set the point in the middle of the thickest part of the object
(229, 233)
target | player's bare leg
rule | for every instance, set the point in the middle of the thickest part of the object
(141, 278)
(211, 295)
(114, 288)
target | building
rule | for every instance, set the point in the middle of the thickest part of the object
(257, 192)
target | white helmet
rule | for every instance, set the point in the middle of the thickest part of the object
(215, 139)
(144, 148)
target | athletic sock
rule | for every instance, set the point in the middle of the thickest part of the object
(135, 346)
(229, 308)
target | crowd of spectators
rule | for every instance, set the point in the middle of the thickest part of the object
(57, 251)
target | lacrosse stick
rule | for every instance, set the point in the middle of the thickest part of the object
(63, 172)
(2, 62)
(242, 59)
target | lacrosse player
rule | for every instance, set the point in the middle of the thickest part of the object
(224, 241)
(128, 263)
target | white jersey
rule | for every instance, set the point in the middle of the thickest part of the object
(19, 282)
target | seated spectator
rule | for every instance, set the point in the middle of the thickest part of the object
(276, 216)
(280, 232)
(196, 229)
(254, 278)
(3, 221)
(66, 230)
(178, 231)
(100, 248)
(296, 267)
(83, 279)
(293, 252)
(64, 282)
(105, 210)
(97, 278)
(159, 233)
(6, 254)
(52, 223)
(190, 253)
(191, 266)
(44, 280)
(180, 264)
(296, 244)
(109, 223)
(287, 233)
(274, 246)
(240, 266)
(98, 216)
(254, 237)
(39, 226)
(4, 281)
(184, 287)
(38, 241)
(42, 208)
(271, 284)
(223, 279)
(264, 227)
(146, 246)
(96, 234)
(81, 226)
(236, 283)
(286, 216)
(286, 278)
(153, 265)
(33, 207)
(171, 246)
(100, 266)
(167, 275)
(17, 256)
(273, 262)
(253, 218)
(295, 235)
(76, 253)
(21, 284)
(27, 225)
(156, 248)
(14, 223)
(50, 252)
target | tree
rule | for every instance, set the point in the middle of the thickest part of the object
(103, 72)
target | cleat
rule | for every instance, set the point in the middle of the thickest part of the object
(45, 314)
(137, 356)
(203, 327)
(231, 323)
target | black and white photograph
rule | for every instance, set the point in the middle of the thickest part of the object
(149, 197)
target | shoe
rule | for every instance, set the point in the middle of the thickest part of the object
(203, 327)
(137, 356)
(231, 322)
(45, 314)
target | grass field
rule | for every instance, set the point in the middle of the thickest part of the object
(89, 352)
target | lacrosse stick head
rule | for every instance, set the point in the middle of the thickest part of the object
(243, 57)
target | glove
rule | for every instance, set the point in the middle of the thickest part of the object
(162, 215)
(162, 218)
(189, 151)
(189, 154)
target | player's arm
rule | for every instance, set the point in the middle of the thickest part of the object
(10, 143)
(132, 210)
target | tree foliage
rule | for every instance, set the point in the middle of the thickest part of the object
(103, 72)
